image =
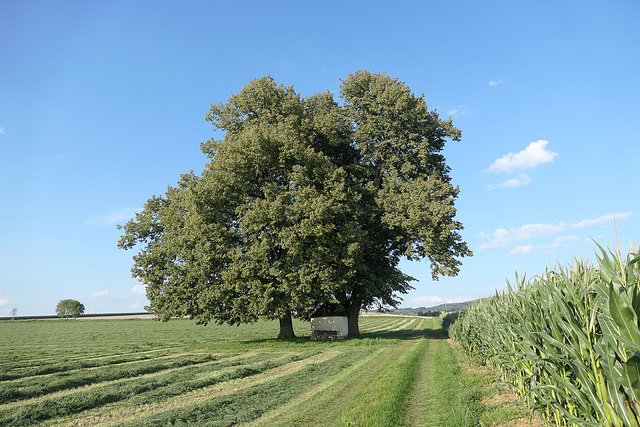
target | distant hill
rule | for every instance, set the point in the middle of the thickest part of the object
(454, 306)
(457, 306)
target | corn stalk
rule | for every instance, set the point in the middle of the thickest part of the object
(568, 340)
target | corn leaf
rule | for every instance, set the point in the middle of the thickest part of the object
(624, 316)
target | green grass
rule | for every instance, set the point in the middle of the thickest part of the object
(441, 394)
(142, 372)
(372, 392)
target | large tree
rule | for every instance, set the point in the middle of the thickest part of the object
(305, 201)
(255, 235)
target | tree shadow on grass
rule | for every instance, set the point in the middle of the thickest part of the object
(365, 338)
(404, 334)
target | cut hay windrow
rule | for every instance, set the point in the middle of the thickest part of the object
(568, 340)
(146, 389)
(33, 386)
(186, 394)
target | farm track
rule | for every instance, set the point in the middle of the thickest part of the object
(255, 382)
(423, 396)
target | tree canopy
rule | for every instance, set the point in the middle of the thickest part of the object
(69, 308)
(303, 202)
(408, 208)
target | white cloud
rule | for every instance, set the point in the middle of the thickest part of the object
(502, 237)
(604, 219)
(139, 289)
(495, 82)
(100, 294)
(1, 130)
(515, 238)
(459, 110)
(521, 250)
(523, 179)
(48, 159)
(558, 242)
(135, 306)
(113, 218)
(534, 155)
(3, 301)
(432, 299)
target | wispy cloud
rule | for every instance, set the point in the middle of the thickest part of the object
(521, 180)
(459, 110)
(139, 289)
(48, 159)
(534, 155)
(502, 237)
(135, 306)
(516, 238)
(521, 250)
(1, 130)
(604, 219)
(3, 301)
(113, 218)
(558, 242)
(431, 299)
(495, 82)
(100, 294)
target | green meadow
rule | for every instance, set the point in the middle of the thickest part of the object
(400, 371)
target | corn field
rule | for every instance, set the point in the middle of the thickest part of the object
(568, 340)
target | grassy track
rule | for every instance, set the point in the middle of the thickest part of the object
(438, 396)
(141, 372)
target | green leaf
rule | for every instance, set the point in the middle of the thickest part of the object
(624, 316)
(613, 373)
(632, 375)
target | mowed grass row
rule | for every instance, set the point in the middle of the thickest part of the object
(141, 372)
(371, 392)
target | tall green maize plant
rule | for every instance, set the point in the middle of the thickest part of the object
(568, 340)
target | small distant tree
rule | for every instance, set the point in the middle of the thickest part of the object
(14, 313)
(69, 308)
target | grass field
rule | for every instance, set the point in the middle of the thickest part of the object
(142, 372)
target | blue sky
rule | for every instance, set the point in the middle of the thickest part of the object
(102, 105)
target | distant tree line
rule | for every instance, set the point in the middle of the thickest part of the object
(429, 313)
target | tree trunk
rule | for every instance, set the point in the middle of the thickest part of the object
(354, 312)
(286, 328)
